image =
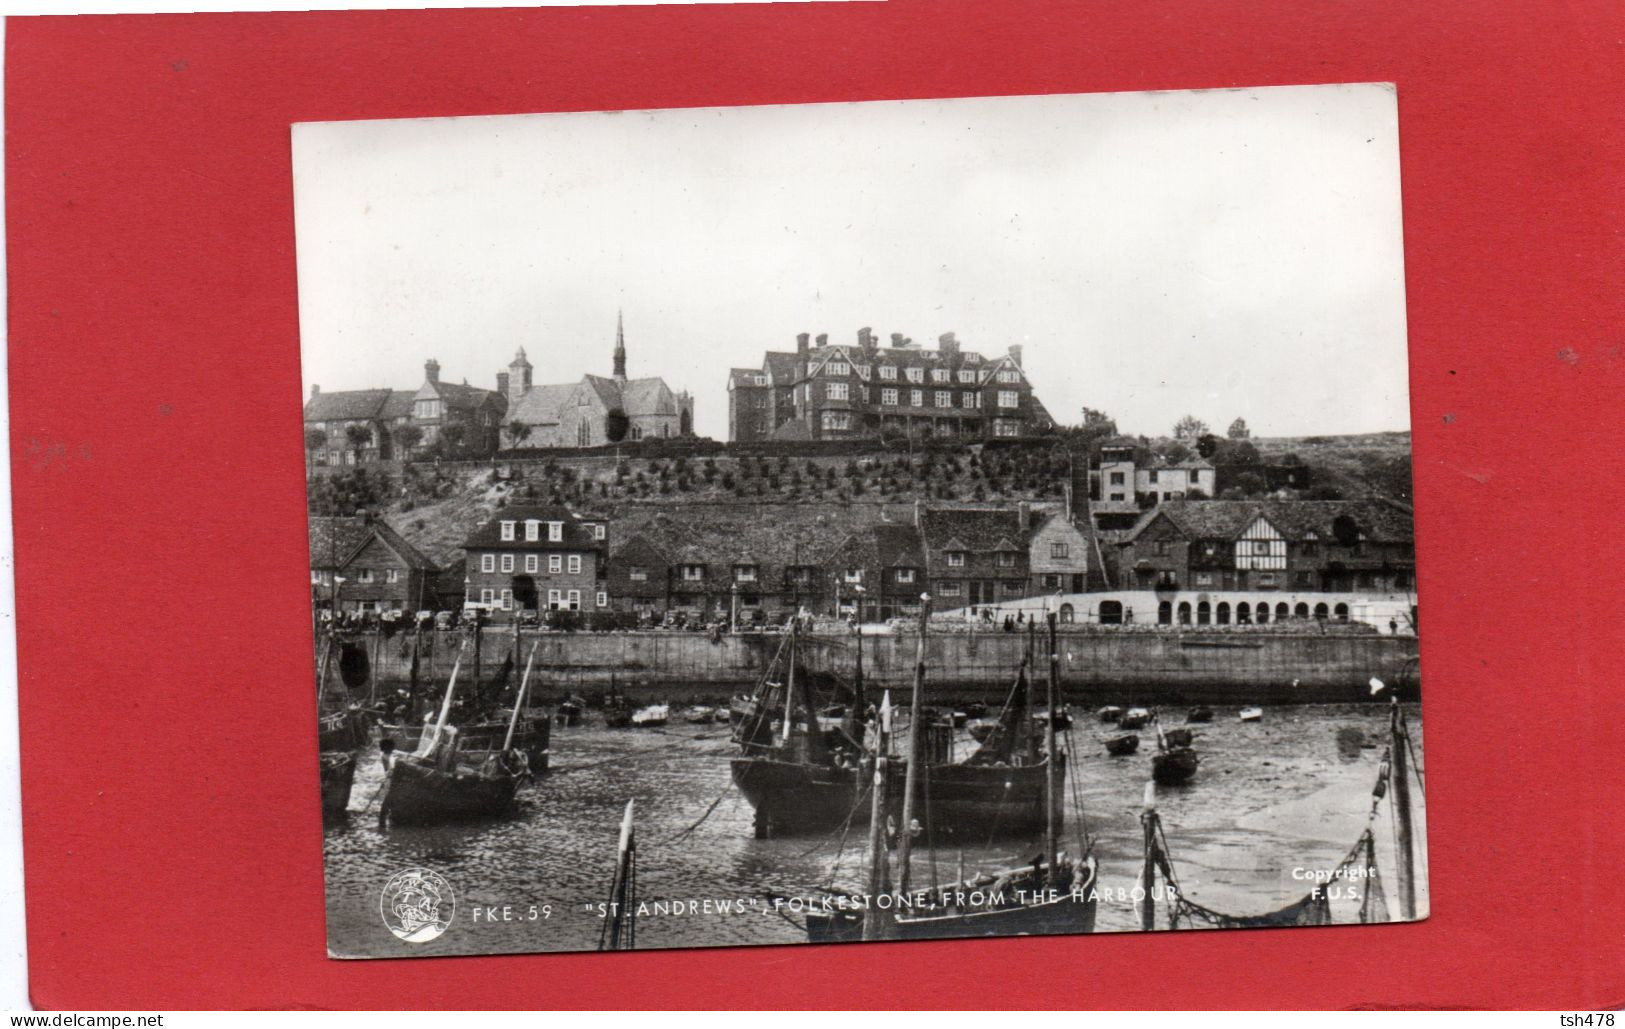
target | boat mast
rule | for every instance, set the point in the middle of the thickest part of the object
(519, 698)
(1400, 771)
(790, 685)
(1051, 792)
(620, 890)
(854, 725)
(905, 843)
(878, 923)
(321, 671)
(445, 707)
(412, 675)
(1148, 873)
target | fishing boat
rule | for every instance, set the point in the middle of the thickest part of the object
(617, 709)
(722, 716)
(1118, 746)
(568, 713)
(1174, 762)
(1134, 718)
(651, 717)
(697, 716)
(533, 735)
(439, 783)
(802, 777)
(342, 731)
(1198, 715)
(1053, 893)
(1110, 713)
(338, 773)
(1178, 737)
(1251, 714)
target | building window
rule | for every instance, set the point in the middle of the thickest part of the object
(939, 375)
(1117, 496)
(944, 398)
(392, 575)
(1196, 477)
(916, 375)
(948, 589)
(572, 600)
(599, 530)
(854, 575)
(693, 573)
(971, 400)
(1117, 478)
(967, 376)
(862, 370)
(905, 575)
(916, 397)
(363, 575)
(761, 380)
(555, 531)
(575, 564)
(1009, 398)
(603, 599)
(1303, 580)
(507, 562)
(1059, 550)
(426, 409)
(836, 391)
(533, 530)
(1009, 375)
(531, 562)
(1204, 578)
(837, 420)
(956, 559)
(1006, 559)
(638, 575)
(507, 600)
(1052, 581)
(1162, 548)
(507, 532)
(553, 600)
(837, 368)
(888, 396)
(888, 372)
(488, 562)
(744, 573)
(488, 597)
(555, 564)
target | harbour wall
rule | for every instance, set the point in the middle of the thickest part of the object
(1138, 666)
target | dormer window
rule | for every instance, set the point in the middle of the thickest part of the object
(533, 530)
(967, 376)
(905, 575)
(837, 368)
(638, 574)
(507, 531)
(598, 531)
(744, 573)
(854, 575)
(916, 375)
(555, 532)
(888, 372)
(956, 559)
(693, 573)
(1006, 559)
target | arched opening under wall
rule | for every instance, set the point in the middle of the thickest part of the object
(1165, 613)
(1204, 613)
(1184, 612)
(1221, 614)
(1261, 613)
(1341, 612)
(1282, 613)
(1066, 613)
(1244, 613)
(1320, 612)
(1301, 611)
(1111, 612)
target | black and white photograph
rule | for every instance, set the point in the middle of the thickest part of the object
(899, 520)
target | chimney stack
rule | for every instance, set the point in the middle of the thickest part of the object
(866, 338)
(801, 343)
(431, 370)
(896, 339)
(948, 345)
(822, 339)
(1015, 354)
(315, 391)
(502, 383)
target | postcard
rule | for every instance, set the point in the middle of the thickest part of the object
(863, 521)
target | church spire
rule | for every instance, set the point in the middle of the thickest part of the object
(620, 350)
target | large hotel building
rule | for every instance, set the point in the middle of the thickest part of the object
(836, 391)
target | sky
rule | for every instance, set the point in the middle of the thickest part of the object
(1222, 253)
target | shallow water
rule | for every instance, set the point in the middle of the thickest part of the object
(1290, 792)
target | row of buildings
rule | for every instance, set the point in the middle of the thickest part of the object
(1188, 560)
(352, 427)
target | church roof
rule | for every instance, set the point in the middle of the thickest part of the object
(346, 405)
(540, 404)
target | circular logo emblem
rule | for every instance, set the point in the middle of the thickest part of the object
(417, 905)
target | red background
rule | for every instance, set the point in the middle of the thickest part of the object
(173, 852)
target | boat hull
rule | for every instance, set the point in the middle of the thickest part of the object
(1122, 745)
(1173, 767)
(534, 736)
(965, 801)
(416, 793)
(338, 775)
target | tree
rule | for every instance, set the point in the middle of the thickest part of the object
(360, 436)
(616, 425)
(315, 439)
(1190, 427)
(1207, 445)
(1238, 430)
(517, 432)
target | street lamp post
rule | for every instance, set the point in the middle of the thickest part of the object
(338, 583)
(733, 608)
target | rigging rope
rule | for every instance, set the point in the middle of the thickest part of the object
(685, 832)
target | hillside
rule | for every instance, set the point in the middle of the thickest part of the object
(435, 506)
